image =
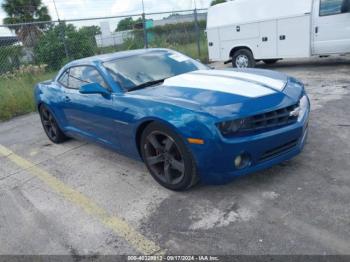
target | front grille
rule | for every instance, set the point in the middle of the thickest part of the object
(278, 150)
(272, 119)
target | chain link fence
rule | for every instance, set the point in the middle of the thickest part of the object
(52, 44)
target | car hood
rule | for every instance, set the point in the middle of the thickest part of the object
(223, 93)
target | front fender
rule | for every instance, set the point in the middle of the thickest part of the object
(186, 124)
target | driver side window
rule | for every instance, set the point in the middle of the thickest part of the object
(76, 78)
(81, 75)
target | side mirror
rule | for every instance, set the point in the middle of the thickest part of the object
(93, 88)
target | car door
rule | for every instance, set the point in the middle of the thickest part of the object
(89, 115)
(331, 30)
(57, 99)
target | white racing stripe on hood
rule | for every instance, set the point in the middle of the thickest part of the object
(264, 80)
(219, 84)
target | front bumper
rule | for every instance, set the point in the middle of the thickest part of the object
(215, 163)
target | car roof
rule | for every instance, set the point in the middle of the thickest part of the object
(113, 56)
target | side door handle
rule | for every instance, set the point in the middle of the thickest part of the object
(316, 29)
(265, 39)
(67, 99)
(282, 37)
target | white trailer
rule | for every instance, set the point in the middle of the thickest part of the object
(247, 31)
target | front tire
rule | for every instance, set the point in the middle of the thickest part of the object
(243, 58)
(167, 158)
(52, 130)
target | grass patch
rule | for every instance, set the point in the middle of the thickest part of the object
(191, 50)
(17, 94)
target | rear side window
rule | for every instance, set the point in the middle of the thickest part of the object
(63, 80)
(334, 7)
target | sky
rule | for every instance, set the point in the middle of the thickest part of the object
(71, 9)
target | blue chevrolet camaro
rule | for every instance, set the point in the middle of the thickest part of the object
(186, 121)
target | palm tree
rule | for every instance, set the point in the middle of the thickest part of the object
(25, 11)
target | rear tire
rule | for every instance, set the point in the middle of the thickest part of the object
(52, 130)
(243, 58)
(167, 158)
(270, 61)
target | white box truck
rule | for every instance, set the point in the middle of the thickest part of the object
(247, 31)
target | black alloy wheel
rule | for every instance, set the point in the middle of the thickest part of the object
(50, 126)
(167, 158)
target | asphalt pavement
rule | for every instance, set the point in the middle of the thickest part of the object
(77, 198)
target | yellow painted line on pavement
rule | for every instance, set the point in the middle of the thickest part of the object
(118, 225)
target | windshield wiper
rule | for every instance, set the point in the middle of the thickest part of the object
(146, 84)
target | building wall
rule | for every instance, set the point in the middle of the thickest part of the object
(108, 38)
(112, 39)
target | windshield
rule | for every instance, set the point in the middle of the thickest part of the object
(138, 70)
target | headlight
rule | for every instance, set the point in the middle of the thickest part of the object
(231, 127)
(273, 119)
(304, 105)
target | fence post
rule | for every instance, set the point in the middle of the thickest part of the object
(63, 37)
(196, 25)
(144, 30)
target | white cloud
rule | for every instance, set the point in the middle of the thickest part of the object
(75, 9)
(3, 30)
(67, 9)
(127, 7)
(2, 14)
(92, 8)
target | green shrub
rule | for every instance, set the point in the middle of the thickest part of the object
(180, 33)
(10, 58)
(53, 44)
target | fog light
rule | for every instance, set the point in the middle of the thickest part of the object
(242, 161)
(238, 161)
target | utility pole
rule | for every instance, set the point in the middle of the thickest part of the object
(54, 4)
(144, 25)
(195, 4)
(143, 7)
(197, 29)
(62, 33)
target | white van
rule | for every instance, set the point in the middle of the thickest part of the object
(247, 31)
